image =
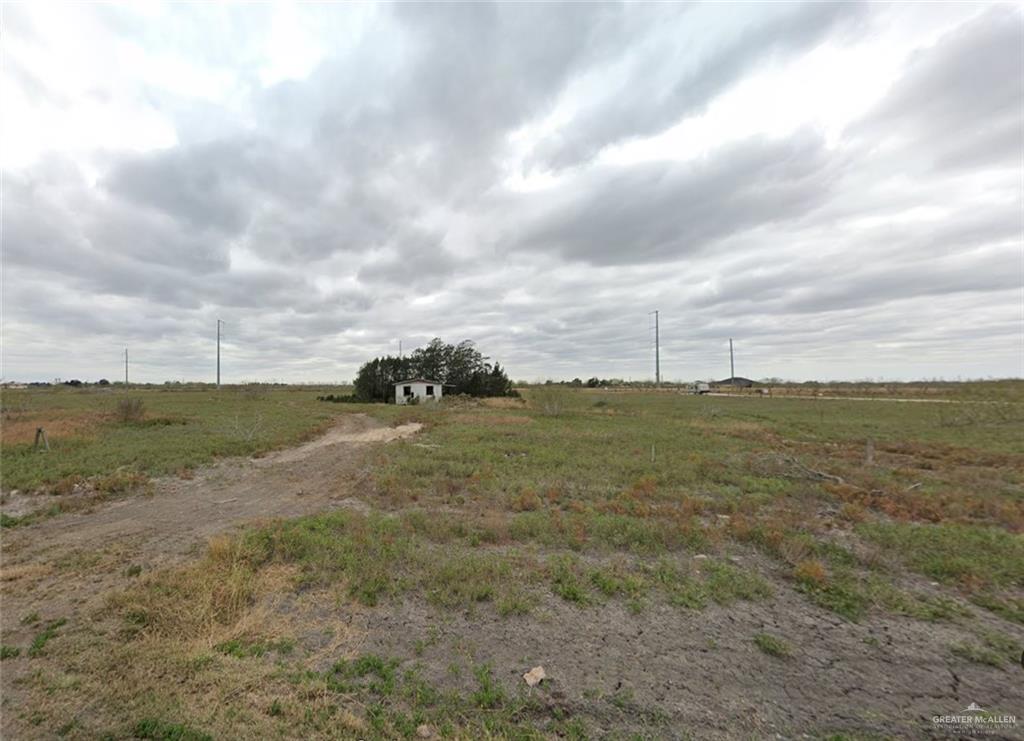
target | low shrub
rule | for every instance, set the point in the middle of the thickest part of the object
(130, 409)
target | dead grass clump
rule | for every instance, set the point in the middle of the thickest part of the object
(853, 512)
(767, 532)
(626, 503)
(119, 482)
(690, 505)
(131, 409)
(194, 602)
(494, 528)
(914, 505)
(25, 571)
(66, 485)
(795, 550)
(526, 501)
(644, 486)
(491, 420)
(810, 573)
(503, 402)
(943, 453)
(551, 400)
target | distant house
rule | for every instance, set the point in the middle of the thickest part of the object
(738, 381)
(417, 390)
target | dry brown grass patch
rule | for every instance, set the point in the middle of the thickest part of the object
(526, 501)
(913, 505)
(811, 572)
(31, 571)
(491, 420)
(58, 423)
(952, 455)
(495, 527)
(503, 402)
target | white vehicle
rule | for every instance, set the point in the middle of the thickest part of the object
(700, 387)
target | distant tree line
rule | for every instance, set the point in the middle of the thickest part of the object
(461, 368)
(593, 383)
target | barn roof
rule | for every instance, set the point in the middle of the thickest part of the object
(418, 380)
(735, 381)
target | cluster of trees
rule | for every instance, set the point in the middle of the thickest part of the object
(461, 368)
(593, 383)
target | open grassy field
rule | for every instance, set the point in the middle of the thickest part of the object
(682, 566)
(175, 430)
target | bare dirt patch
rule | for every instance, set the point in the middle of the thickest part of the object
(342, 435)
(63, 567)
(665, 670)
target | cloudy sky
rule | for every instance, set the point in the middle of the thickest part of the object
(836, 186)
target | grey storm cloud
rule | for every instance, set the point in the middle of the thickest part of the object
(373, 197)
(214, 185)
(416, 257)
(661, 211)
(962, 96)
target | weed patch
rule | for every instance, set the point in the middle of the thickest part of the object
(242, 649)
(47, 635)
(772, 645)
(160, 730)
(969, 556)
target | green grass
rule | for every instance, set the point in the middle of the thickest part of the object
(606, 450)
(185, 428)
(488, 694)
(1008, 608)
(9, 652)
(242, 649)
(989, 647)
(161, 730)
(977, 654)
(772, 645)
(49, 633)
(567, 580)
(712, 582)
(399, 699)
(953, 553)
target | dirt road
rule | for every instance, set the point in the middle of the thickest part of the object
(173, 522)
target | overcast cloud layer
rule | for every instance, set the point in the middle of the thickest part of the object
(836, 186)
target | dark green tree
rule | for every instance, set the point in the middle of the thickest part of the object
(461, 368)
(376, 379)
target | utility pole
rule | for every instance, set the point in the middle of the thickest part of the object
(126, 367)
(219, 322)
(657, 350)
(732, 364)
(399, 349)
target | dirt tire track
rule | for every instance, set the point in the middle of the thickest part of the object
(62, 567)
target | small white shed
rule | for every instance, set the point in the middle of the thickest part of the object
(420, 389)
